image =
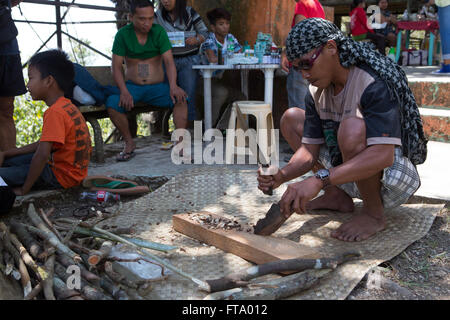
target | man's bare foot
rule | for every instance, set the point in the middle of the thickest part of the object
(361, 226)
(129, 146)
(333, 199)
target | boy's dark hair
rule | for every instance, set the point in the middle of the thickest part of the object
(216, 14)
(55, 63)
(140, 4)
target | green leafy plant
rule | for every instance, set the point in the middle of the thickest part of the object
(28, 117)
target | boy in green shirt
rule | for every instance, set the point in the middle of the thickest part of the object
(143, 47)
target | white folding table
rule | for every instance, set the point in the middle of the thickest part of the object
(268, 69)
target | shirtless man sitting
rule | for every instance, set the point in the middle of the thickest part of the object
(143, 47)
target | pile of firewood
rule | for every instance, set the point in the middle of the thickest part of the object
(69, 259)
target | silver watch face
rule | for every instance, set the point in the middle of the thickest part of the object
(322, 173)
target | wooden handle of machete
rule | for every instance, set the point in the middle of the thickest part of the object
(266, 172)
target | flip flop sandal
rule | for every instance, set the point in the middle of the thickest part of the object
(167, 145)
(105, 183)
(125, 156)
(108, 182)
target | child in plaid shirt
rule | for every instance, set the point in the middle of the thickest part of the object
(219, 39)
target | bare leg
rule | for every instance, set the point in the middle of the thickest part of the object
(7, 126)
(120, 121)
(180, 115)
(333, 199)
(352, 140)
(291, 126)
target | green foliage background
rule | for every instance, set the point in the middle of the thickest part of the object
(28, 117)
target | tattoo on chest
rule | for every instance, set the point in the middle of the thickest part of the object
(143, 70)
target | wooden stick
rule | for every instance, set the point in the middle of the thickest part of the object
(139, 242)
(273, 289)
(24, 275)
(50, 224)
(200, 283)
(76, 247)
(50, 212)
(108, 285)
(10, 269)
(90, 292)
(25, 237)
(76, 298)
(117, 238)
(41, 273)
(95, 256)
(48, 234)
(33, 294)
(53, 240)
(240, 279)
(61, 290)
(89, 276)
(117, 277)
(48, 282)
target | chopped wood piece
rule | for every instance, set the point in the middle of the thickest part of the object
(33, 294)
(27, 239)
(95, 256)
(252, 247)
(240, 279)
(273, 289)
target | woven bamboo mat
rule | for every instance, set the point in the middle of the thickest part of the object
(234, 194)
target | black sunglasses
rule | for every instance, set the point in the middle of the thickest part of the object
(307, 64)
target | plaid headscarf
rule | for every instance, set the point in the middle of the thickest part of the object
(311, 33)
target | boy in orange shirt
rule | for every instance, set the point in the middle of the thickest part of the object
(60, 158)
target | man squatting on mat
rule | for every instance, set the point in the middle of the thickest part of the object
(362, 128)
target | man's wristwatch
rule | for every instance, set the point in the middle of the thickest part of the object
(324, 175)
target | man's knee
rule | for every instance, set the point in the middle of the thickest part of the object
(352, 137)
(293, 119)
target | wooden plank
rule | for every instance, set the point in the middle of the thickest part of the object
(249, 246)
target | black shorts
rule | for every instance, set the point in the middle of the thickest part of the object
(11, 76)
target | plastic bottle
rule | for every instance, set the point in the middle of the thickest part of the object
(246, 46)
(230, 50)
(266, 58)
(100, 196)
(405, 15)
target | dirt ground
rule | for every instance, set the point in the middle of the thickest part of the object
(421, 272)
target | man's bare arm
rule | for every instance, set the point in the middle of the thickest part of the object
(117, 71)
(170, 67)
(126, 100)
(364, 165)
(301, 162)
(299, 17)
(176, 93)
